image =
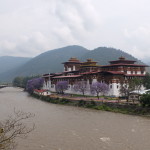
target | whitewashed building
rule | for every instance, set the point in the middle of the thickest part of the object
(116, 74)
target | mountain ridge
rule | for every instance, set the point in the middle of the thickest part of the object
(11, 62)
(51, 61)
(105, 52)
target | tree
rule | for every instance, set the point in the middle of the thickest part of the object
(12, 128)
(80, 86)
(133, 84)
(99, 88)
(61, 86)
(22, 81)
(145, 100)
(35, 83)
(18, 81)
(146, 81)
(137, 83)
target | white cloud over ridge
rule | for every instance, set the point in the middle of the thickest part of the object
(31, 27)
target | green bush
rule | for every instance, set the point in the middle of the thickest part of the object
(93, 103)
(145, 100)
(81, 103)
(64, 101)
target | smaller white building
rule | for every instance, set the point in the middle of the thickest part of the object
(43, 92)
(135, 95)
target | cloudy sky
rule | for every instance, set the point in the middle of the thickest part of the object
(30, 27)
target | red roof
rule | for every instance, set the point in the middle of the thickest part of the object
(138, 75)
(112, 72)
(71, 62)
(121, 64)
(115, 72)
(125, 61)
(71, 76)
(39, 91)
(90, 72)
(47, 75)
(122, 59)
(57, 73)
(122, 73)
(71, 71)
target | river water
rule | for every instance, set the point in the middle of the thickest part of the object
(60, 127)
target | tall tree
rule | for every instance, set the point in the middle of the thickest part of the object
(145, 100)
(18, 81)
(133, 84)
(146, 81)
(35, 83)
(22, 81)
(12, 128)
(99, 88)
(81, 86)
(61, 86)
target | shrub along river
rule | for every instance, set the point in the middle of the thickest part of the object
(60, 127)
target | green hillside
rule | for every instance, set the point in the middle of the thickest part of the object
(103, 55)
(51, 61)
(9, 62)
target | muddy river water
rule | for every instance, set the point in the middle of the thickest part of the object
(60, 127)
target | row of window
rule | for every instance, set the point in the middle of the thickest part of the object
(117, 86)
(52, 86)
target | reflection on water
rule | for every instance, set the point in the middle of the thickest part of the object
(61, 127)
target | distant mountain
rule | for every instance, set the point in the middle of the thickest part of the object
(51, 61)
(103, 55)
(9, 62)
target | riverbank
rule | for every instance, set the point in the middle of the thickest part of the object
(117, 107)
(74, 128)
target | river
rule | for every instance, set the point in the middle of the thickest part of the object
(60, 127)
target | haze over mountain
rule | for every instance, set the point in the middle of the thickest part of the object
(51, 61)
(147, 61)
(10, 62)
(48, 62)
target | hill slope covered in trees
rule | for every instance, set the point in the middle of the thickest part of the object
(51, 61)
(48, 62)
(10, 62)
(103, 55)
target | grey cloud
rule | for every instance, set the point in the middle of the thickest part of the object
(29, 28)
